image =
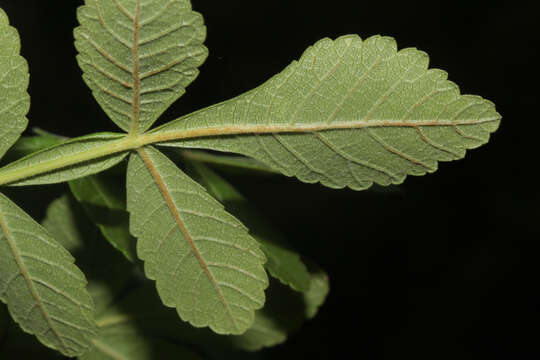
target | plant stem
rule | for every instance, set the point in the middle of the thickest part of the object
(9, 176)
(133, 141)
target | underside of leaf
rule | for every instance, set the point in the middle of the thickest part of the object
(139, 56)
(14, 77)
(65, 160)
(45, 292)
(350, 112)
(203, 260)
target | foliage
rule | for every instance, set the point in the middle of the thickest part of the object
(143, 205)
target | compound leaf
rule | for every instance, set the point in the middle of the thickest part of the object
(282, 263)
(45, 292)
(350, 112)
(65, 160)
(14, 78)
(203, 260)
(138, 57)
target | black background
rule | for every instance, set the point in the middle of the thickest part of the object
(445, 267)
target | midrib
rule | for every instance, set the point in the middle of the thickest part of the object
(180, 223)
(136, 76)
(162, 135)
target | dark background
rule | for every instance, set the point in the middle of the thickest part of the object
(445, 266)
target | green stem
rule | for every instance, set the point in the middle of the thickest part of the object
(133, 141)
(8, 176)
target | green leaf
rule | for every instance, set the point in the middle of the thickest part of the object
(4, 322)
(226, 161)
(203, 260)
(282, 263)
(348, 113)
(108, 274)
(317, 293)
(124, 342)
(106, 207)
(14, 78)
(283, 313)
(27, 145)
(140, 315)
(138, 57)
(66, 160)
(67, 222)
(16, 344)
(42, 132)
(45, 292)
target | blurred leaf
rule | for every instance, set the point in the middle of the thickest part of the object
(125, 342)
(27, 145)
(230, 162)
(284, 312)
(4, 318)
(44, 133)
(106, 206)
(320, 287)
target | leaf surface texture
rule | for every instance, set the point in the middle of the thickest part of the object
(202, 258)
(139, 56)
(14, 78)
(45, 292)
(350, 112)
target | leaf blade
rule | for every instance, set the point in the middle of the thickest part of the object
(394, 117)
(138, 59)
(39, 274)
(223, 261)
(14, 77)
(67, 160)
